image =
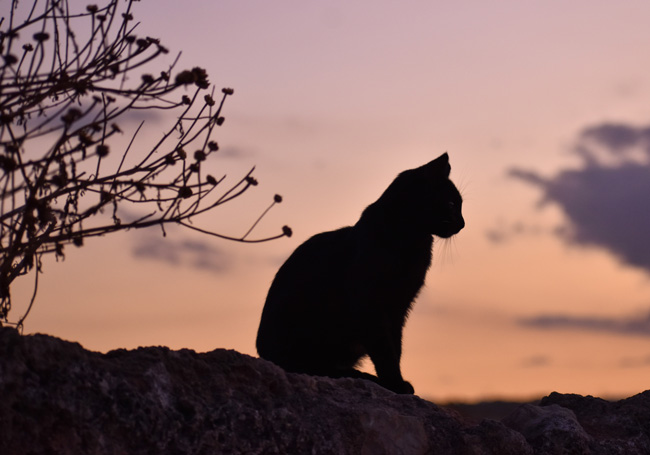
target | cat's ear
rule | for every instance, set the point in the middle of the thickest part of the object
(439, 167)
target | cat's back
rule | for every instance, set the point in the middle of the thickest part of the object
(320, 258)
(297, 305)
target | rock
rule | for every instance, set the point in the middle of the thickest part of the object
(621, 427)
(551, 430)
(57, 397)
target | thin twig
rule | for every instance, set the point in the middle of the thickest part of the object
(62, 99)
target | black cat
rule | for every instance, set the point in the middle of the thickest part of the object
(345, 294)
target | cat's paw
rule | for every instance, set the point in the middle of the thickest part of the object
(402, 387)
(405, 388)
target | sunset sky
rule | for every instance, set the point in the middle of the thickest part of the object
(544, 109)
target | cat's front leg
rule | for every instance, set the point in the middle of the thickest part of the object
(385, 356)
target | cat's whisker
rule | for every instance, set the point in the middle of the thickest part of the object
(447, 253)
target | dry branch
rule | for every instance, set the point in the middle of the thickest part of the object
(67, 78)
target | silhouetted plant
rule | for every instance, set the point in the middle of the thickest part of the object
(67, 78)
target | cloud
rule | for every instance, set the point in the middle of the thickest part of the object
(618, 136)
(607, 200)
(149, 116)
(635, 362)
(536, 361)
(234, 152)
(183, 252)
(633, 325)
(504, 232)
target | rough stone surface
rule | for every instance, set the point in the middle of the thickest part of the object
(56, 397)
(551, 429)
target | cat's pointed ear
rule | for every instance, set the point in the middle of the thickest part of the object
(439, 167)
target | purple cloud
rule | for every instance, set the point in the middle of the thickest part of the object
(536, 361)
(618, 136)
(607, 200)
(633, 325)
(182, 252)
(635, 362)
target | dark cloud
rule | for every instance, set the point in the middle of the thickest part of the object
(633, 325)
(536, 361)
(618, 136)
(131, 117)
(635, 362)
(182, 252)
(607, 200)
(234, 152)
(504, 232)
(149, 116)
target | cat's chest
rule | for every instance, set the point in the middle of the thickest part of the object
(392, 261)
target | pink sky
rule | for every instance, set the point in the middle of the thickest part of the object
(332, 100)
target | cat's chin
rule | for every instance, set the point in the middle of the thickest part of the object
(446, 234)
(448, 230)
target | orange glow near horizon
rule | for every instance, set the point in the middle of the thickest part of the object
(332, 100)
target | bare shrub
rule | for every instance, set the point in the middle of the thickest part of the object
(67, 79)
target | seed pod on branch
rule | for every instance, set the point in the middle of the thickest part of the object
(82, 184)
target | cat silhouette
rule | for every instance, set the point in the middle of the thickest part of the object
(345, 294)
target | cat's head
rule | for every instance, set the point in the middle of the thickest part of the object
(425, 199)
(421, 199)
(442, 211)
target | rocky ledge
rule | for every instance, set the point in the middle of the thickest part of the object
(56, 397)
